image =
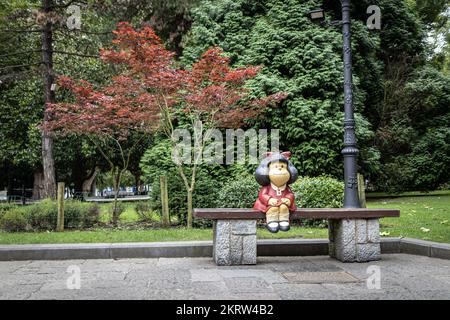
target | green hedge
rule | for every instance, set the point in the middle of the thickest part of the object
(240, 193)
(318, 192)
(43, 215)
(13, 220)
(5, 207)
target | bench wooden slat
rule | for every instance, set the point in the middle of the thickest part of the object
(302, 213)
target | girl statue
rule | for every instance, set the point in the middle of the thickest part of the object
(275, 198)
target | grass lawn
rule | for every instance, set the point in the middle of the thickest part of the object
(422, 216)
(407, 194)
(155, 235)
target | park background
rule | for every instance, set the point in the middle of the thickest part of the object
(401, 100)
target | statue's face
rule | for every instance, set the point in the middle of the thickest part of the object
(278, 173)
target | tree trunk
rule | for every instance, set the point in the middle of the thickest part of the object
(38, 185)
(164, 201)
(48, 161)
(137, 179)
(94, 188)
(78, 170)
(189, 208)
(87, 184)
(116, 214)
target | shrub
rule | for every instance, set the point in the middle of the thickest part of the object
(92, 215)
(5, 207)
(318, 192)
(157, 161)
(79, 214)
(145, 212)
(43, 215)
(204, 195)
(13, 221)
(120, 208)
(240, 193)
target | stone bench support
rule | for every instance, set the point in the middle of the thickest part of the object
(354, 240)
(234, 242)
(354, 234)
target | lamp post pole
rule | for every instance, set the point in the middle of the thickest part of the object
(350, 152)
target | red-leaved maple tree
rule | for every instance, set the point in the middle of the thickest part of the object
(151, 92)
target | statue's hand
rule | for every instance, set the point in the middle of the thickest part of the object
(286, 201)
(273, 202)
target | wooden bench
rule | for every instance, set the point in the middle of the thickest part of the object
(354, 233)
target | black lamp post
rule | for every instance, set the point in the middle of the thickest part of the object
(350, 152)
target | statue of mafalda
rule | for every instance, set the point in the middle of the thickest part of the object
(275, 198)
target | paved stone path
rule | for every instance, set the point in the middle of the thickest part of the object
(402, 277)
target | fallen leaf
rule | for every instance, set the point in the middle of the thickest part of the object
(384, 233)
(425, 229)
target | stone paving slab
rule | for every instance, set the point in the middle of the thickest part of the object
(402, 276)
(320, 277)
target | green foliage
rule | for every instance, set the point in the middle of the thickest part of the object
(21, 88)
(13, 221)
(81, 214)
(416, 144)
(392, 89)
(145, 212)
(300, 58)
(318, 192)
(238, 193)
(5, 207)
(425, 167)
(157, 161)
(206, 187)
(20, 114)
(43, 215)
(117, 206)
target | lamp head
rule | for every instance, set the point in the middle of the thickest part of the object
(317, 15)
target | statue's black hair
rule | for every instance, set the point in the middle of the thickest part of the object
(262, 172)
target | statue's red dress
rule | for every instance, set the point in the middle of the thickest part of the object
(268, 192)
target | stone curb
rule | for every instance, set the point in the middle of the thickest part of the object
(279, 247)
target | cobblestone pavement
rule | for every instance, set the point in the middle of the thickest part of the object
(401, 277)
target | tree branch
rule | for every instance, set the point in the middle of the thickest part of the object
(21, 65)
(101, 151)
(93, 32)
(67, 31)
(19, 53)
(76, 54)
(19, 31)
(121, 151)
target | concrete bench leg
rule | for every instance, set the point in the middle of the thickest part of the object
(354, 240)
(234, 242)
